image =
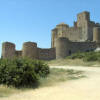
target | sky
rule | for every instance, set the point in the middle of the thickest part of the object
(33, 20)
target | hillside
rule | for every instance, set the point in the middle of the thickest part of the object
(78, 59)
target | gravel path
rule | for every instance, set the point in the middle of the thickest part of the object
(82, 89)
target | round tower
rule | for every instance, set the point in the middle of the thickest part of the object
(54, 36)
(29, 50)
(8, 50)
(96, 34)
(62, 47)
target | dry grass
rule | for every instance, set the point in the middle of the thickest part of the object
(56, 76)
(6, 91)
(83, 89)
(60, 75)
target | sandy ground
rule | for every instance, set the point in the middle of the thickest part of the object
(82, 89)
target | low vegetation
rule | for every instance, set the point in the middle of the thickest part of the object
(21, 72)
(56, 76)
(78, 59)
(6, 91)
(86, 56)
(60, 75)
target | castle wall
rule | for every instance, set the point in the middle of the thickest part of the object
(18, 53)
(80, 37)
(46, 54)
(82, 46)
(73, 34)
(29, 50)
(64, 47)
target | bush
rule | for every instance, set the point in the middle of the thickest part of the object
(86, 56)
(91, 56)
(21, 72)
(77, 55)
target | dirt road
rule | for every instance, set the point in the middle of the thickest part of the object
(82, 89)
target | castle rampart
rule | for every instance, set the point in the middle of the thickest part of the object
(46, 54)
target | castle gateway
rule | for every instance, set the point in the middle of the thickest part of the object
(84, 36)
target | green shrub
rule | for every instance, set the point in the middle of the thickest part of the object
(77, 55)
(21, 72)
(42, 71)
(86, 56)
(91, 56)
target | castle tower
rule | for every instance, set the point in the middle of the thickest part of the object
(82, 17)
(29, 50)
(53, 38)
(8, 50)
(59, 31)
(96, 34)
(83, 20)
(62, 47)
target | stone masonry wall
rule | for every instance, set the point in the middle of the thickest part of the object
(81, 31)
(82, 46)
(46, 54)
(18, 53)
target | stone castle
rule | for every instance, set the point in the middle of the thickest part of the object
(84, 36)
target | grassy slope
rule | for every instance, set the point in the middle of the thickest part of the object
(78, 59)
(60, 75)
(72, 62)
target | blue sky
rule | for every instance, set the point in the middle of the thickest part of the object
(32, 20)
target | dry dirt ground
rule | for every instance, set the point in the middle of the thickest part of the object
(83, 89)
